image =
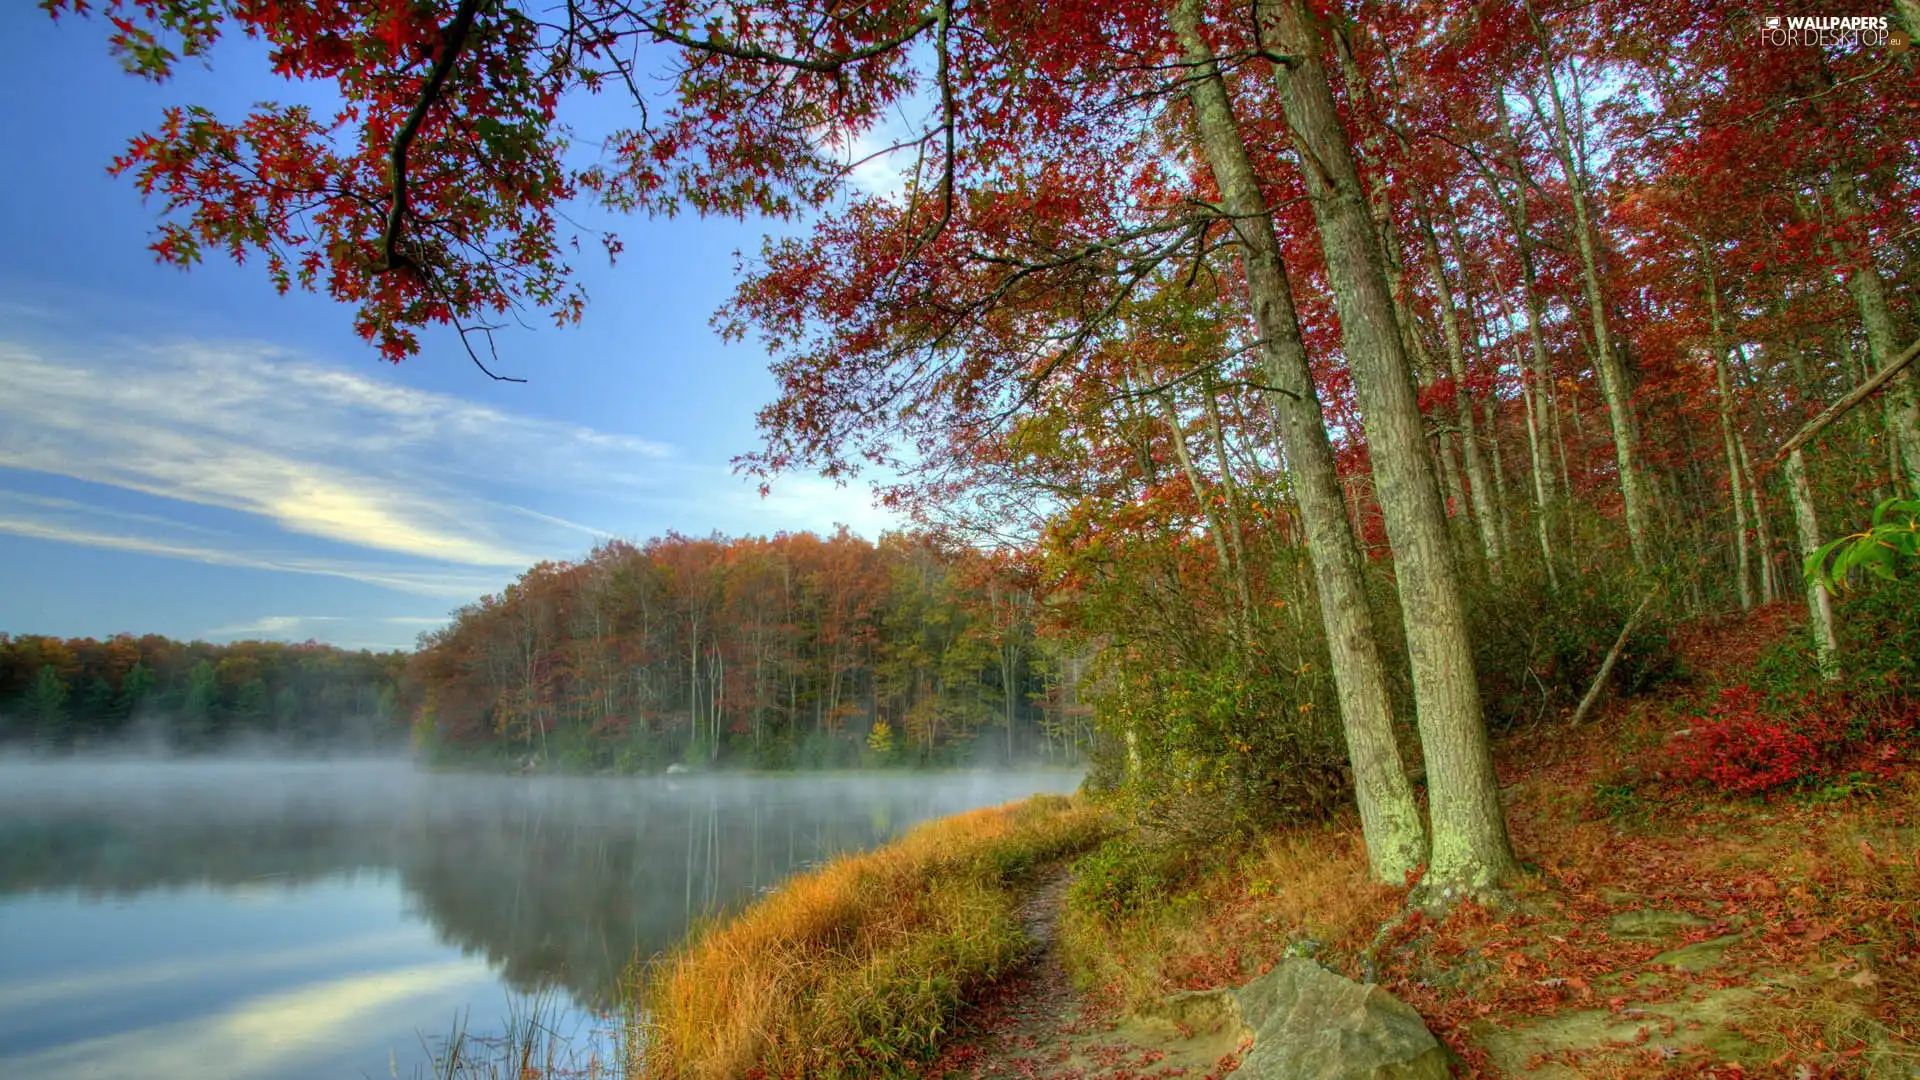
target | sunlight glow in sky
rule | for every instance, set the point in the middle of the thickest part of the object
(194, 455)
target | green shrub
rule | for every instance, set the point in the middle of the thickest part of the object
(1122, 877)
(1216, 747)
(641, 751)
(1879, 628)
(1878, 625)
(1537, 649)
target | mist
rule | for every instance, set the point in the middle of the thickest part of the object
(140, 890)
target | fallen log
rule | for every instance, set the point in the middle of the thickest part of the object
(1839, 408)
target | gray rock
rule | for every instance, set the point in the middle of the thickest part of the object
(1648, 924)
(1202, 1010)
(1308, 1023)
(1311, 1024)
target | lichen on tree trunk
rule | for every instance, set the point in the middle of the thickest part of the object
(1396, 840)
(1471, 850)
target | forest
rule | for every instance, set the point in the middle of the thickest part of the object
(153, 694)
(794, 651)
(1344, 380)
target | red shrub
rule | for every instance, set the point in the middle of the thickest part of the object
(1741, 750)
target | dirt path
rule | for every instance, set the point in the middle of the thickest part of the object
(1034, 1024)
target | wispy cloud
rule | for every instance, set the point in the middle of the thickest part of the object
(22, 994)
(418, 582)
(73, 522)
(881, 160)
(267, 1035)
(320, 452)
(272, 625)
(350, 631)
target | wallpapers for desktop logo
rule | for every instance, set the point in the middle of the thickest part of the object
(1833, 32)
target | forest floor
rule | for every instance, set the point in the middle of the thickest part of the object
(1656, 931)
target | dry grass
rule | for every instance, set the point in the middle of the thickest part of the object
(1305, 888)
(858, 966)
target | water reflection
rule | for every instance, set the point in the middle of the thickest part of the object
(551, 881)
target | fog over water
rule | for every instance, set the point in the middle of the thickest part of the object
(311, 919)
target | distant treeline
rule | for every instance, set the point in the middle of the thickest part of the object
(156, 693)
(795, 651)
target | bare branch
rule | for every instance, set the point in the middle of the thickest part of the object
(475, 357)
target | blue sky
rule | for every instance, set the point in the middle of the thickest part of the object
(194, 455)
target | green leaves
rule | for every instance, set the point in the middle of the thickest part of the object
(1891, 539)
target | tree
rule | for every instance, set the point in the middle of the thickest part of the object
(786, 70)
(98, 705)
(197, 708)
(880, 742)
(46, 705)
(1141, 319)
(1470, 846)
(799, 643)
(1396, 842)
(136, 688)
(286, 709)
(250, 705)
(386, 216)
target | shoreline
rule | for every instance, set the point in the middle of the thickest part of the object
(859, 966)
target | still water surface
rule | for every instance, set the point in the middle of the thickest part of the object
(322, 920)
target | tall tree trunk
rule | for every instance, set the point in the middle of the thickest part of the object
(1378, 206)
(1413, 342)
(1819, 604)
(1502, 501)
(1869, 291)
(1471, 849)
(1762, 529)
(1541, 463)
(1453, 486)
(1478, 484)
(1542, 421)
(1896, 469)
(1614, 382)
(1735, 481)
(1490, 405)
(1560, 439)
(1231, 511)
(1396, 841)
(1177, 434)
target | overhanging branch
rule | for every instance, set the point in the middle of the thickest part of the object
(453, 40)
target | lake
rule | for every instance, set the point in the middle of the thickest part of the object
(332, 919)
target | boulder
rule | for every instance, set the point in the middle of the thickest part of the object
(1309, 1023)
